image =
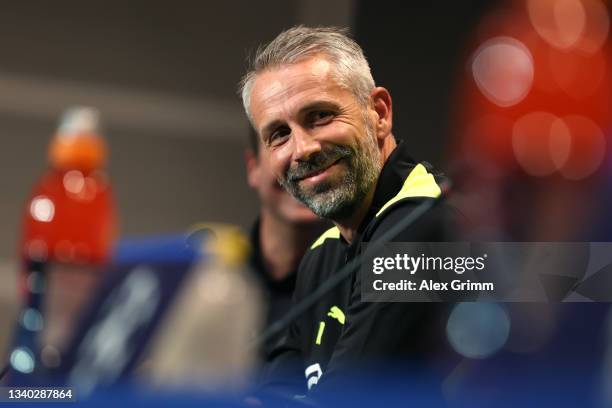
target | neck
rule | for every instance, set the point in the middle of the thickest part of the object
(283, 243)
(349, 227)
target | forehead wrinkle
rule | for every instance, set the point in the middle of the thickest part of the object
(283, 98)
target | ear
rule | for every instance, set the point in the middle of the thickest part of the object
(382, 105)
(252, 168)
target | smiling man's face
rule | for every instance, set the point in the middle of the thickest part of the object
(319, 138)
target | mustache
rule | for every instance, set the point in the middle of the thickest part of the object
(318, 162)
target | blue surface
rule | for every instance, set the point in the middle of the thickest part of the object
(176, 248)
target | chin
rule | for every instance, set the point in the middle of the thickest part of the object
(300, 214)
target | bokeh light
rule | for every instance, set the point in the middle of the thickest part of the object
(559, 22)
(74, 181)
(588, 148)
(478, 330)
(37, 250)
(597, 26)
(35, 283)
(32, 320)
(541, 143)
(22, 360)
(50, 356)
(503, 70)
(42, 209)
(64, 251)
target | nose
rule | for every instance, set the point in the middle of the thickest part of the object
(305, 144)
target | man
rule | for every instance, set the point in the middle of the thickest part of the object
(326, 129)
(282, 233)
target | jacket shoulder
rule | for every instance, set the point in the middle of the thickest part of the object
(331, 234)
(322, 257)
(420, 188)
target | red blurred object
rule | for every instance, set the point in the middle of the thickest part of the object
(70, 214)
(532, 120)
(569, 51)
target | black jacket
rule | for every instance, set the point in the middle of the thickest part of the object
(341, 329)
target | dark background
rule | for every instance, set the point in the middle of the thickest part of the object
(416, 51)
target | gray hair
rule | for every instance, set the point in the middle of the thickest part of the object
(350, 67)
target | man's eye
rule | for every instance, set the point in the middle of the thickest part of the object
(279, 136)
(321, 117)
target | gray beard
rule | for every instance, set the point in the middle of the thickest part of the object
(338, 202)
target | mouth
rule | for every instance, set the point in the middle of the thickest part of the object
(319, 174)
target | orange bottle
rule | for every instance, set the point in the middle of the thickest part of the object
(69, 228)
(70, 216)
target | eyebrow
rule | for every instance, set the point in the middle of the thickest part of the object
(311, 106)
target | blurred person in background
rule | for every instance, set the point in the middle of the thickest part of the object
(280, 236)
(326, 130)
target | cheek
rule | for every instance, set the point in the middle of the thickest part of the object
(341, 133)
(280, 159)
